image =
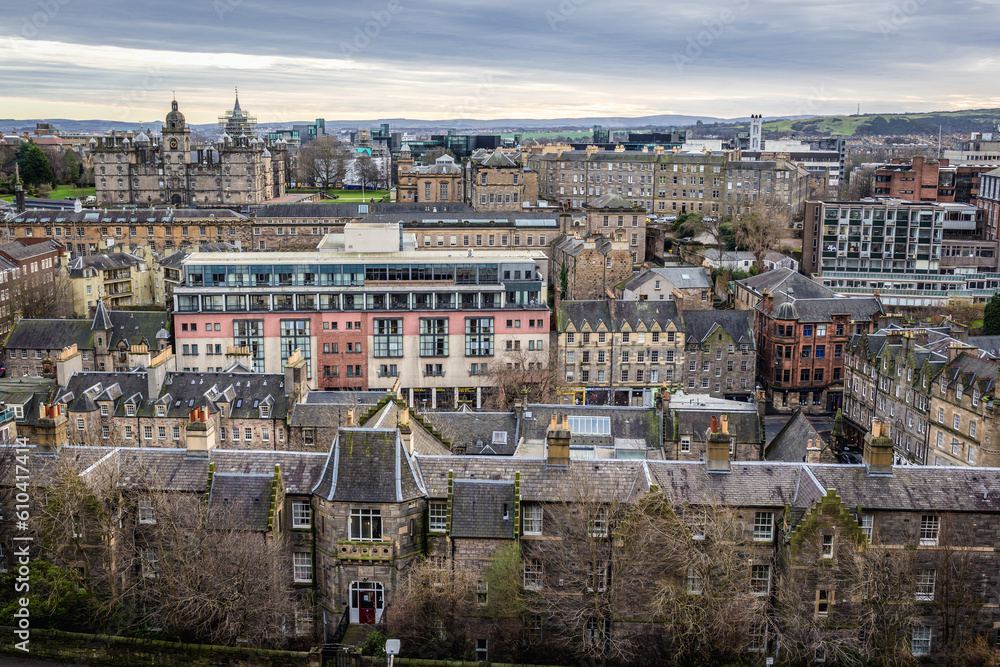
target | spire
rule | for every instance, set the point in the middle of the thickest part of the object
(101, 319)
(236, 107)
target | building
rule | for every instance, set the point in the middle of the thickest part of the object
(743, 260)
(887, 237)
(802, 331)
(989, 201)
(123, 276)
(616, 218)
(773, 178)
(28, 270)
(435, 320)
(721, 353)
(929, 180)
(619, 352)
(497, 181)
(692, 423)
(433, 183)
(981, 147)
(163, 230)
(237, 170)
(689, 286)
(593, 265)
(104, 342)
(888, 377)
(962, 427)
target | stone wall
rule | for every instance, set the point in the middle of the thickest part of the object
(110, 651)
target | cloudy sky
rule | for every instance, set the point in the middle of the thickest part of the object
(437, 59)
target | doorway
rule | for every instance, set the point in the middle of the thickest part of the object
(367, 602)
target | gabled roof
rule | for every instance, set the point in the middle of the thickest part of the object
(136, 327)
(780, 280)
(971, 371)
(634, 424)
(50, 335)
(678, 277)
(368, 465)
(480, 432)
(738, 324)
(612, 201)
(499, 159)
(579, 313)
(792, 440)
(239, 501)
(648, 313)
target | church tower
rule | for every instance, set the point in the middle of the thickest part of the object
(176, 147)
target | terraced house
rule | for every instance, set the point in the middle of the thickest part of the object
(357, 518)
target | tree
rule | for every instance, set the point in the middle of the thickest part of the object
(367, 171)
(759, 225)
(519, 370)
(563, 280)
(36, 168)
(861, 184)
(36, 297)
(324, 162)
(991, 316)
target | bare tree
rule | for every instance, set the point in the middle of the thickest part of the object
(324, 161)
(430, 156)
(759, 225)
(367, 171)
(42, 296)
(517, 370)
(861, 183)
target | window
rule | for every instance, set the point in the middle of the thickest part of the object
(824, 600)
(105, 432)
(590, 425)
(760, 579)
(302, 567)
(388, 337)
(532, 519)
(956, 422)
(686, 444)
(161, 432)
(695, 583)
(482, 645)
(972, 429)
(763, 526)
(867, 525)
(599, 523)
(301, 514)
(930, 526)
(827, 547)
(146, 512)
(940, 415)
(434, 337)
(130, 409)
(79, 424)
(128, 432)
(147, 432)
(438, 517)
(105, 411)
(532, 575)
(758, 638)
(177, 432)
(925, 585)
(921, 642)
(150, 564)
(366, 524)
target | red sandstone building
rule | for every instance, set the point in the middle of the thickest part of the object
(929, 180)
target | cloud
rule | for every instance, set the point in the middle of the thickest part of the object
(521, 58)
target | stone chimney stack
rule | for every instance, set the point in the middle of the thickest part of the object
(51, 428)
(159, 365)
(68, 361)
(812, 451)
(201, 433)
(878, 450)
(717, 458)
(296, 385)
(405, 431)
(557, 442)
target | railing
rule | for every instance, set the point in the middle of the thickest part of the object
(341, 629)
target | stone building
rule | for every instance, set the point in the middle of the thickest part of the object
(164, 231)
(616, 218)
(963, 428)
(689, 286)
(104, 342)
(619, 351)
(594, 265)
(433, 183)
(721, 353)
(888, 376)
(28, 269)
(802, 331)
(497, 181)
(692, 423)
(233, 171)
(123, 276)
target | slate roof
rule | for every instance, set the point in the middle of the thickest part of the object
(476, 430)
(452, 217)
(368, 466)
(345, 397)
(971, 371)
(239, 501)
(692, 416)
(699, 325)
(752, 484)
(679, 277)
(20, 251)
(791, 442)
(612, 201)
(115, 260)
(581, 312)
(822, 310)
(320, 415)
(574, 246)
(778, 280)
(122, 216)
(135, 327)
(600, 480)
(483, 508)
(351, 210)
(50, 335)
(240, 394)
(636, 313)
(988, 344)
(627, 423)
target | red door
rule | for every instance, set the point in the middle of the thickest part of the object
(366, 607)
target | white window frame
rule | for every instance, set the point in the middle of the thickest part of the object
(532, 520)
(302, 567)
(146, 512)
(301, 514)
(930, 530)
(763, 527)
(926, 581)
(437, 517)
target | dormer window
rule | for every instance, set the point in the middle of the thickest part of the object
(130, 410)
(265, 411)
(105, 410)
(161, 411)
(958, 391)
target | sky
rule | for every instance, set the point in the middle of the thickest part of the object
(442, 59)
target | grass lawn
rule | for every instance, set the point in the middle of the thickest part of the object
(62, 192)
(355, 195)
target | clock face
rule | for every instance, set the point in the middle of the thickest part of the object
(173, 144)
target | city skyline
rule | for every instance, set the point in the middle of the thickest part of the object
(443, 60)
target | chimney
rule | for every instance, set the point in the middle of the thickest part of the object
(200, 432)
(718, 445)
(405, 432)
(350, 418)
(159, 365)
(812, 451)
(51, 429)
(68, 361)
(557, 442)
(295, 377)
(878, 450)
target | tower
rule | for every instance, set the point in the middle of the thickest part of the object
(756, 129)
